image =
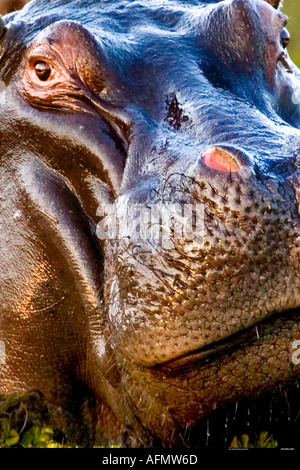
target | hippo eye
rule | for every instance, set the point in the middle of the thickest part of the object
(285, 38)
(42, 70)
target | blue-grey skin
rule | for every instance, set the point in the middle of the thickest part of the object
(152, 104)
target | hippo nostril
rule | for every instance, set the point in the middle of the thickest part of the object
(219, 159)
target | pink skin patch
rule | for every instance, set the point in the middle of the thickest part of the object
(220, 159)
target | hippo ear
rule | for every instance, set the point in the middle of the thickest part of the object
(275, 3)
(2, 27)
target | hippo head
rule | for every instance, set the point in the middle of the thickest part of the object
(149, 239)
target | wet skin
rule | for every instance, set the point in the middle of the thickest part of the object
(112, 105)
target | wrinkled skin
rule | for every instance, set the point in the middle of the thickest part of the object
(110, 104)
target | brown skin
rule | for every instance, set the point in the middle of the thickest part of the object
(48, 309)
(148, 339)
(7, 6)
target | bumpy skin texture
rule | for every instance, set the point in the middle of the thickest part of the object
(108, 105)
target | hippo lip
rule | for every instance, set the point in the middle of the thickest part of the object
(233, 342)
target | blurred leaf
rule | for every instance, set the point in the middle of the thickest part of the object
(12, 439)
(263, 441)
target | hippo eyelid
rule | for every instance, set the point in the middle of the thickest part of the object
(43, 54)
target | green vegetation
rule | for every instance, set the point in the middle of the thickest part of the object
(292, 9)
(262, 441)
(35, 436)
(24, 423)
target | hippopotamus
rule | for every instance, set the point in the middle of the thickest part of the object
(150, 230)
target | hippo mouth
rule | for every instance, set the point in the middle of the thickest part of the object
(265, 399)
(273, 412)
(258, 332)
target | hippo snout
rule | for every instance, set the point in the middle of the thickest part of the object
(200, 245)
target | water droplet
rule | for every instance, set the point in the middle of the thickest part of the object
(17, 214)
(296, 97)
